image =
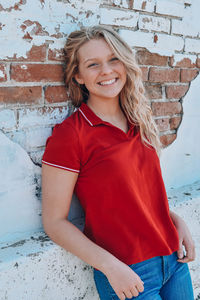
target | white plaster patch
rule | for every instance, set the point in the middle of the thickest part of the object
(190, 24)
(170, 7)
(2, 75)
(186, 28)
(181, 160)
(192, 45)
(37, 137)
(167, 44)
(118, 17)
(154, 23)
(19, 208)
(179, 57)
(7, 119)
(38, 117)
(137, 38)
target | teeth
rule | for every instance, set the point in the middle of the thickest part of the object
(107, 82)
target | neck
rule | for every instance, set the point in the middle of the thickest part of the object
(105, 107)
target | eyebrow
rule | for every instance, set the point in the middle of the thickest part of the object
(94, 58)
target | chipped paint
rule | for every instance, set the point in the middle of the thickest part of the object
(47, 23)
(2, 74)
(35, 22)
(178, 58)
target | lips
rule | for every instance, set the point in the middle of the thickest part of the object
(107, 82)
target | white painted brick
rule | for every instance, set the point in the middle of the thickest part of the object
(167, 44)
(192, 45)
(18, 137)
(120, 3)
(137, 38)
(184, 28)
(179, 57)
(7, 119)
(171, 8)
(125, 3)
(147, 5)
(154, 23)
(41, 117)
(118, 17)
(37, 137)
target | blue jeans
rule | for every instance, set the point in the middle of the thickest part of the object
(163, 277)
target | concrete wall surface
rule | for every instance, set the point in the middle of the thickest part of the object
(35, 268)
(165, 37)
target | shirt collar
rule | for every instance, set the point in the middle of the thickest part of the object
(89, 115)
(92, 118)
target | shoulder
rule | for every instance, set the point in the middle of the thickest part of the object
(69, 126)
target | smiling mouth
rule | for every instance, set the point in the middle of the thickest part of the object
(107, 82)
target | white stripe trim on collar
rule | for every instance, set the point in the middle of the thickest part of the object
(86, 117)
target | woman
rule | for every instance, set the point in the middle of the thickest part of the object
(106, 152)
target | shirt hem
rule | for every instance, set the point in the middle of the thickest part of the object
(60, 167)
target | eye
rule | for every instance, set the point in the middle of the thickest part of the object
(92, 65)
(114, 59)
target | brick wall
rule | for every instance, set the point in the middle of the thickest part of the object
(164, 35)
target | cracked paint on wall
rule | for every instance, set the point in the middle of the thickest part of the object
(39, 22)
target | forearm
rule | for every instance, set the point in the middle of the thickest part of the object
(175, 218)
(68, 236)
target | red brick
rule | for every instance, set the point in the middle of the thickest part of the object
(144, 73)
(56, 94)
(56, 55)
(144, 57)
(3, 76)
(28, 95)
(154, 91)
(166, 108)
(167, 139)
(176, 91)
(188, 75)
(36, 72)
(184, 63)
(198, 62)
(163, 75)
(163, 124)
(175, 122)
(36, 53)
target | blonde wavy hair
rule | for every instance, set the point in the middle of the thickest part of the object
(132, 97)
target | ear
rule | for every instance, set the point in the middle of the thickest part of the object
(78, 78)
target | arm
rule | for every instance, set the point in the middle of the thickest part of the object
(57, 190)
(185, 239)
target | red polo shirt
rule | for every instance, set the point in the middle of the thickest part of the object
(120, 186)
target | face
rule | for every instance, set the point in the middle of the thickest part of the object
(103, 74)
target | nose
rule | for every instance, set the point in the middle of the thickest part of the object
(106, 68)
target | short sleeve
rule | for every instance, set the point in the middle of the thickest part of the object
(63, 148)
